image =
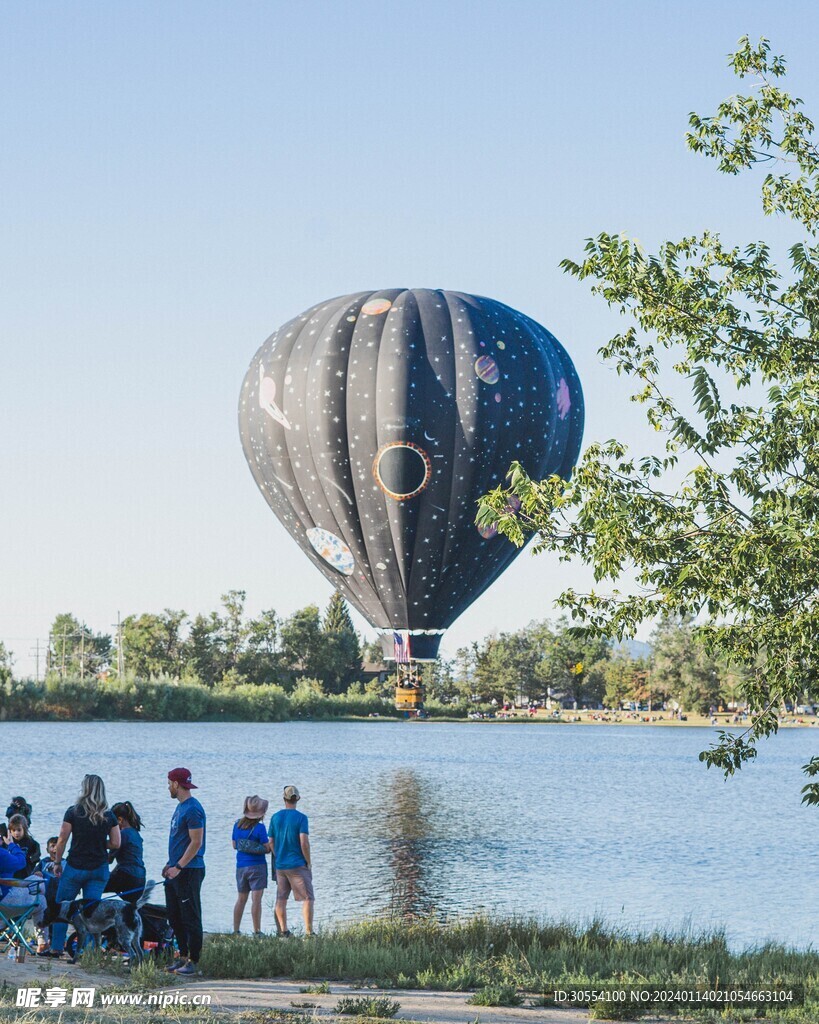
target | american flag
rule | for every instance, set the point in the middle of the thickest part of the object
(401, 647)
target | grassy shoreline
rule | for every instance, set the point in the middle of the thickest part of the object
(529, 954)
(694, 721)
(492, 962)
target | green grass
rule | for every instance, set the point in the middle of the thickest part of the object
(321, 989)
(379, 1007)
(604, 1010)
(496, 995)
(530, 956)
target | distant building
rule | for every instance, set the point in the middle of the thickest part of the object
(375, 670)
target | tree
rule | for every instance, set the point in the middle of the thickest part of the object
(304, 651)
(372, 651)
(439, 681)
(260, 662)
(620, 677)
(152, 644)
(343, 646)
(465, 668)
(204, 653)
(682, 668)
(75, 650)
(6, 662)
(568, 658)
(725, 522)
(233, 628)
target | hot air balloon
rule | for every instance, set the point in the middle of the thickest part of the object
(372, 424)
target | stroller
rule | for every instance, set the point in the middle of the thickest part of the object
(157, 934)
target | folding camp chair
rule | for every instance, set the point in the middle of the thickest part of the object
(13, 916)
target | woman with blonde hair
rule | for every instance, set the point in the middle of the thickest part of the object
(251, 845)
(94, 831)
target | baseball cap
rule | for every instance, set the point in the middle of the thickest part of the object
(182, 776)
(291, 793)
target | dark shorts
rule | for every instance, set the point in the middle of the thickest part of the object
(299, 881)
(252, 878)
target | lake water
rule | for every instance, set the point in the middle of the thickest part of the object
(561, 821)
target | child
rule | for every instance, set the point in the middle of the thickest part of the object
(47, 867)
(19, 805)
(128, 877)
(251, 865)
(19, 833)
(47, 864)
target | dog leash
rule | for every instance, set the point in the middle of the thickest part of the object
(107, 897)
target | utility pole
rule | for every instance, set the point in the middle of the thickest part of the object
(120, 652)
(82, 652)
(62, 667)
(36, 653)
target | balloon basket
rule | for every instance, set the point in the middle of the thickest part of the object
(409, 691)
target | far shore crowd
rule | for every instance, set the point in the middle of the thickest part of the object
(98, 854)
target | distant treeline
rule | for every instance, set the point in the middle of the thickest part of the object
(269, 668)
(555, 661)
(173, 700)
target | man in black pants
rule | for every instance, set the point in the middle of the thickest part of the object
(185, 871)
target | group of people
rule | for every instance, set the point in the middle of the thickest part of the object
(102, 838)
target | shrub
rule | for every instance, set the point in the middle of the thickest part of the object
(367, 1006)
(496, 995)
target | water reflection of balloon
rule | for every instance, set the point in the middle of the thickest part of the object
(400, 409)
(407, 815)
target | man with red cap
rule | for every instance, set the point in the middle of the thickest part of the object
(185, 870)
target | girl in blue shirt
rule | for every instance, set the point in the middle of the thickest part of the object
(128, 877)
(251, 868)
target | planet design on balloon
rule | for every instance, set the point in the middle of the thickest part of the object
(332, 549)
(376, 306)
(402, 469)
(564, 399)
(267, 399)
(512, 505)
(487, 369)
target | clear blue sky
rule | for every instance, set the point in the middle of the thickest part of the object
(178, 179)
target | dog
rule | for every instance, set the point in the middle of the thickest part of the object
(93, 918)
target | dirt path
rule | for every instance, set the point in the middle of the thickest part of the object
(443, 1007)
(283, 994)
(41, 973)
(439, 1007)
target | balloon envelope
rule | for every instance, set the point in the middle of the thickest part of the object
(373, 423)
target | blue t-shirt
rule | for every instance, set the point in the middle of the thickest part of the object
(246, 860)
(285, 828)
(129, 854)
(188, 814)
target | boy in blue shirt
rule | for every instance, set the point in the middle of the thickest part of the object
(289, 830)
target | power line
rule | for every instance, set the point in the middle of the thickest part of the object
(36, 654)
(120, 652)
